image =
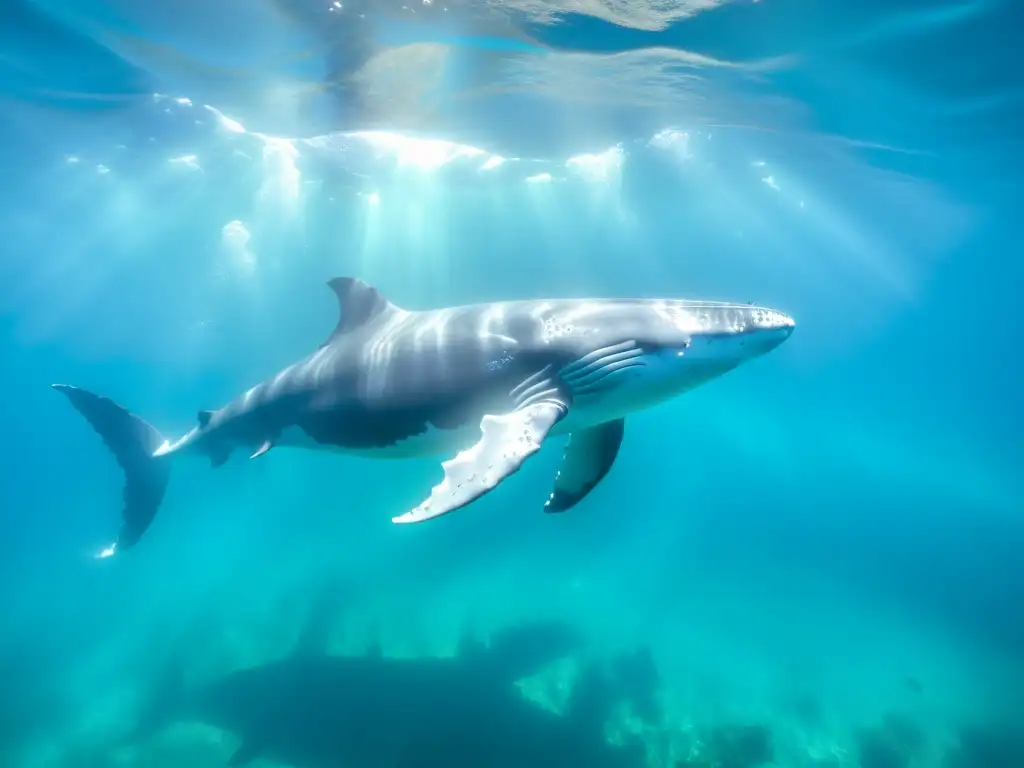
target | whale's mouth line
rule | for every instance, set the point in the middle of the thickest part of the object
(752, 330)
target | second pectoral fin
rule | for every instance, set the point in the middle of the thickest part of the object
(505, 443)
(265, 446)
(589, 455)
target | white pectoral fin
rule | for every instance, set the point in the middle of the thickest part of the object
(507, 441)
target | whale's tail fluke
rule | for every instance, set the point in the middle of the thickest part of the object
(133, 443)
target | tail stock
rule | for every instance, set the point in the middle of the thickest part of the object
(133, 443)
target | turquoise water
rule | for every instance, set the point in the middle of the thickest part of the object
(813, 561)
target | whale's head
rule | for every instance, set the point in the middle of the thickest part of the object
(628, 355)
(694, 341)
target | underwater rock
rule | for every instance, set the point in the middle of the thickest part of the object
(733, 746)
(742, 746)
(896, 743)
(313, 708)
(826, 762)
(904, 732)
(637, 675)
(993, 747)
(876, 750)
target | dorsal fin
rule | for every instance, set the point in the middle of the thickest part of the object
(359, 304)
(204, 418)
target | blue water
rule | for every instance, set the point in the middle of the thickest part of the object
(817, 556)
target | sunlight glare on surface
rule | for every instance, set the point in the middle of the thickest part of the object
(234, 238)
(672, 139)
(492, 162)
(601, 167)
(279, 192)
(190, 162)
(224, 121)
(369, 222)
(423, 154)
(601, 172)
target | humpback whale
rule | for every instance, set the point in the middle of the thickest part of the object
(486, 382)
